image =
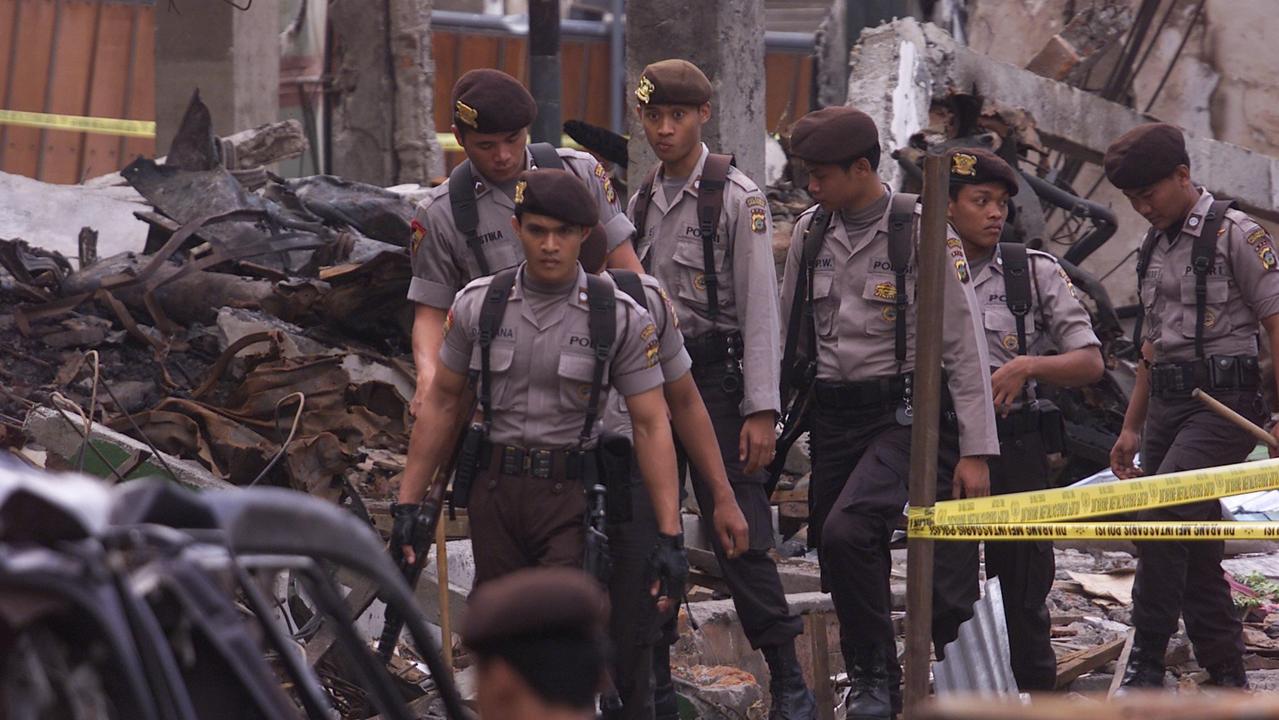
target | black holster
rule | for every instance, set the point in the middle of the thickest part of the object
(613, 460)
(468, 466)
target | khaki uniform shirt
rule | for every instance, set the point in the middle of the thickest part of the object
(1243, 288)
(542, 371)
(671, 248)
(854, 290)
(442, 261)
(1056, 321)
(671, 355)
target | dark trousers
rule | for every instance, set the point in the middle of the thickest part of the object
(1182, 434)
(633, 621)
(1025, 569)
(752, 576)
(520, 521)
(861, 463)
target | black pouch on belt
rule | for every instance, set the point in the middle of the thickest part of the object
(613, 459)
(1052, 426)
(468, 465)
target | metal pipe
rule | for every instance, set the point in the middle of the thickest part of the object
(925, 434)
(544, 68)
(617, 67)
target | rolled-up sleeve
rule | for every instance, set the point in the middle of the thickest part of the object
(437, 275)
(635, 367)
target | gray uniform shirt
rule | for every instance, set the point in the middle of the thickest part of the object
(1057, 320)
(671, 355)
(670, 245)
(1243, 288)
(854, 290)
(442, 262)
(542, 370)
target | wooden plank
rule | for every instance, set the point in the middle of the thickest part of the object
(140, 102)
(443, 48)
(1122, 664)
(1073, 665)
(69, 85)
(815, 627)
(29, 79)
(106, 98)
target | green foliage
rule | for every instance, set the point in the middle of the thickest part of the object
(1267, 591)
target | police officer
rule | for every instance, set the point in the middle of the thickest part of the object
(534, 338)
(862, 291)
(1206, 276)
(633, 624)
(704, 230)
(461, 231)
(1029, 309)
(538, 639)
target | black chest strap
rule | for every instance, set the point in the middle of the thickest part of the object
(710, 202)
(640, 213)
(1202, 255)
(491, 314)
(602, 322)
(629, 282)
(801, 321)
(901, 216)
(1017, 296)
(1143, 264)
(462, 200)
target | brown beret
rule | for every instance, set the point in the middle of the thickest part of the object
(833, 134)
(490, 101)
(536, 601)
(1145, 155)
(594, 250)
(558, 194)
(673, 82)
(978, 166)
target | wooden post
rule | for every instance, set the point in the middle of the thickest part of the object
(442, 569)
(931, 262)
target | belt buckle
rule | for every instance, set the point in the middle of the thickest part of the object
(514, 461)
(540, 463)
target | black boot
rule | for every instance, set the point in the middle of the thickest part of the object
(665, 701)
(792, 700)
(869, 698)
(1145, 662)
(1230, 674)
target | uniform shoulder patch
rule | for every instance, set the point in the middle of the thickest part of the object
(448, 322)
(759, 220)
(670, 307)
(961, 270)
(418, 233)
(1266, 254)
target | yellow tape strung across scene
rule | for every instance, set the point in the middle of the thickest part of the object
(79, 123)
(1040, 514)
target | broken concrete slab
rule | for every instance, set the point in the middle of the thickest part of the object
(50, 216)
(898, 69)
(62, 435)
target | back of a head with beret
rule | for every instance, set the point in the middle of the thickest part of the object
(1145, 155)
(558, 194)
(834, 135)
(549, 624)
(490, 101)
(594, 250)
(673, 82)
(978, 166)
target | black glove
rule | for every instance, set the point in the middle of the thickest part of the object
(405, 527)
(668, 564)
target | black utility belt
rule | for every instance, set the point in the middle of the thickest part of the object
(878, 392)
(1037, 417)
(540, 463)
(1217, 372)
(714, 348)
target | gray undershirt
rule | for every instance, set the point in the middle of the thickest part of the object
(857, 222)
(672, 187)
(542, 299)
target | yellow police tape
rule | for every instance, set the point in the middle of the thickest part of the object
(1040, 514)
(79, 123)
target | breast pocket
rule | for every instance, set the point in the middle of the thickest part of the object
(575, 373)
(1217, 322)
(825, 307)
(880, 291)
(691, 285)
(501, 357)
(500, 254)
(1001, 328)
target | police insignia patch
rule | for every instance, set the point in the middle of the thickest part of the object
(889, 314)
(961, 270)
(419, 232)
(964, 165)
(1009, 342)
(649, 331)
(670, 309)
(886, 291)
(519, 192)
(755, 201)
(599, 170)
(645, 89)
(1210, 318)
(651, 354)
(608, 192)
(758, 223)
(1256, 235)
(1267, 256)
(448, 321)
(953, 242)
(1066, 279)
(467, 114)
(699, 281)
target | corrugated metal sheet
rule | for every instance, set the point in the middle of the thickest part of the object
(978, 662)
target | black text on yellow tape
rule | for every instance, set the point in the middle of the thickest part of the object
(1050, 506)
(79, 123)
(1133, 531)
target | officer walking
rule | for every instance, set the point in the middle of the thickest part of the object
(538, 639)
(704, 230)
(1029, 309)
(1206, 274)
(462, 231)
(546, 343)
(633, 624)
(852, 260)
